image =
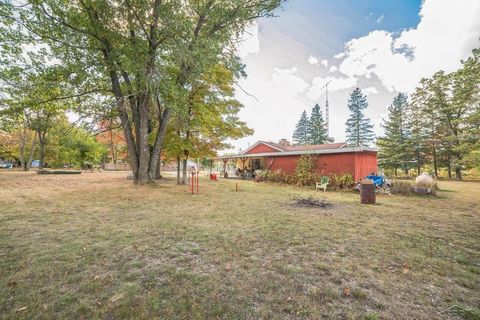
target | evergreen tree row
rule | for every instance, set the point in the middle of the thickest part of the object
(439, 128)
(311, 130)
(359, 131)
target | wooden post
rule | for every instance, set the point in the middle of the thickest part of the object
(243, 162)
(192, 180)
(225, 160)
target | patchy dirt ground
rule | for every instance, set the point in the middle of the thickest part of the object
(96, 246)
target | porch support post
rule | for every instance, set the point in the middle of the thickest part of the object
(225, 160)
(243, 162)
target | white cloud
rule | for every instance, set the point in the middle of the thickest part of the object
(287, 82)
(446, 34)
(317, 60)
(380, 19)
(336, 83)
(332, 69)
(313, 60)
(272, 101)
(249, 41)
(370, 90)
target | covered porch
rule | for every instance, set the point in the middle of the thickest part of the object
(245, 166)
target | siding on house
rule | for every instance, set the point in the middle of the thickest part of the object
(357, 164)
(261, 148)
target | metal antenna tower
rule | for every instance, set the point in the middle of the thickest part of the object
(327, 111)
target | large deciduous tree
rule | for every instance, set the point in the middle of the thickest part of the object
(211, 117)
(449, 104)
(34, 98)
(146, 53)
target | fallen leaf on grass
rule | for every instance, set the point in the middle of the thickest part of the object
(22, 309)
(117, 297)
(96, 277)
(228, 266)
(346, 292)
(12, 284)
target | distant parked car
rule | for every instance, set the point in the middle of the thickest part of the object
(35, 163)
(6, 165)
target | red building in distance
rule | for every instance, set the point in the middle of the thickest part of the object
(332, 158)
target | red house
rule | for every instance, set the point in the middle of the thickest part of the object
(333, 158)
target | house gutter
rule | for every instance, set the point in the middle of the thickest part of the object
(297, 153)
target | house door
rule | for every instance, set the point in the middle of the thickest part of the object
(255, 164)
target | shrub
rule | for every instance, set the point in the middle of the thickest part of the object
(306, 171)
(341, 182)
(402, 187)
(405, 187)
(278, 176)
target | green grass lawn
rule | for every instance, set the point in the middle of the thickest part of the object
(96, 246)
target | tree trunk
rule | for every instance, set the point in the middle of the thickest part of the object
(184, 170)
(158, 144)
(42, 142)
(142, 141)
(143, 159)
(178, 170)
(396, 174)
(23, 146)
(449, 167)
(28, 165)
(158, 174)
(458, 173)
(435, 167)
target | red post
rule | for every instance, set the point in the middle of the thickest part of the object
(191, 181)
(194, 180)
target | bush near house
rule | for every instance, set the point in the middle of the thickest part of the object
(277, 176)
(306, 171)
(341, 182)
(306, 174)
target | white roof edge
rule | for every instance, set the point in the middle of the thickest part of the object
(299, 152)
(260, 142)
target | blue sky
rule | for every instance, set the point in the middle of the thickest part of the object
(383, 47)
(324, 26)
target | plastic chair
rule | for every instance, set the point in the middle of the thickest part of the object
(322, 184)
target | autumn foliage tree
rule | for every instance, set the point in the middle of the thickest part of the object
(146, 54)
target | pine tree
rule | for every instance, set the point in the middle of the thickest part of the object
(300, 136)
(419, 139)
(317, 133)
(395, 146)
(359, 131)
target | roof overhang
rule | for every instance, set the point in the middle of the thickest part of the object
(298, 153)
